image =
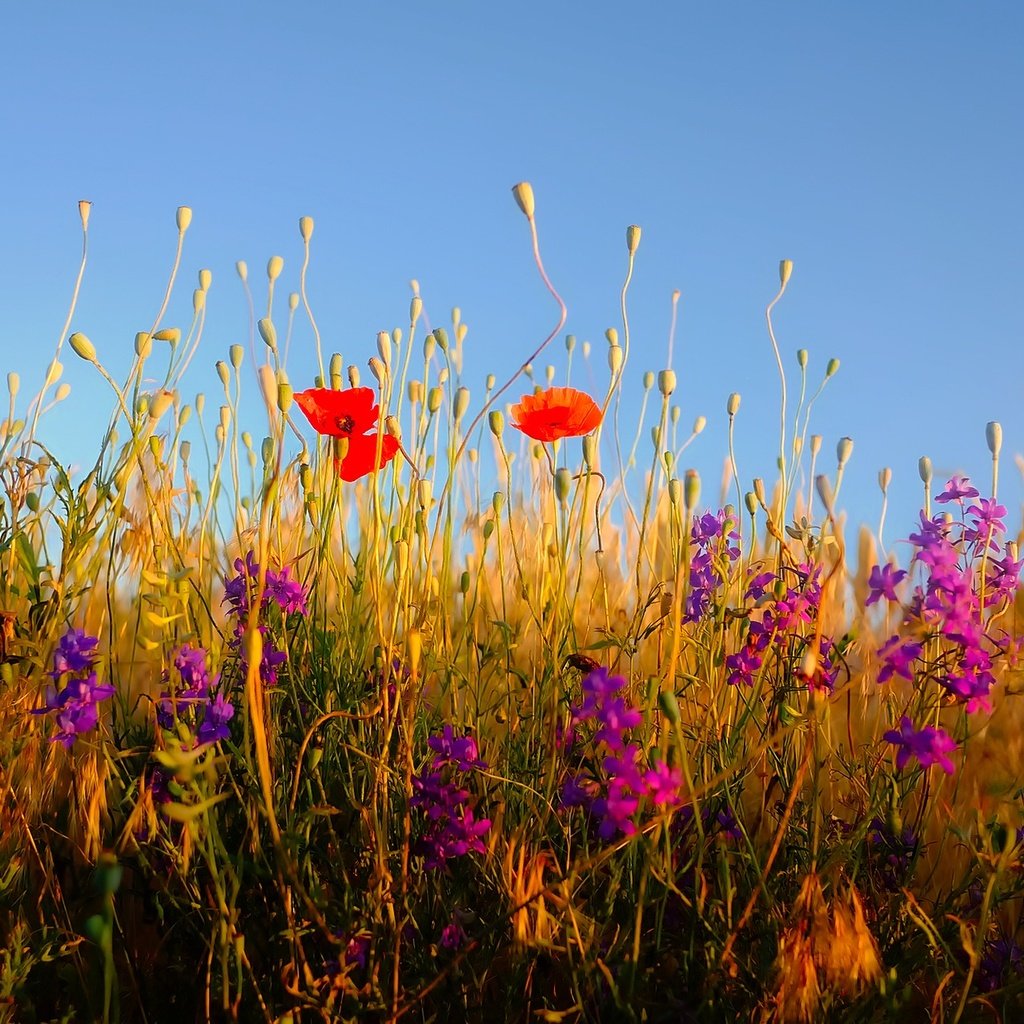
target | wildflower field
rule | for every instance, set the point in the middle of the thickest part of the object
(415, 710)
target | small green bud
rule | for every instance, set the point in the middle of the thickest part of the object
(691, 489)
(235, 354)
(496, 421)
(832, 368)
(268, 333)
(563, 485)
(801, 358)
(83, 347)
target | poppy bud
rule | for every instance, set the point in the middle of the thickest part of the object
(994, 437)
(759, 491)
(285, 395)
(198, 300)
(425, 493)
(496, 421)
(235, 355)
(884, 479)
(143, 344)
(570, 343)
(415, 391)
(293, 301)
(268, 385)
(434, 398)
(733, 405)
(246, 438)
(53, 372)
(675, 490)
(171, 334)
(844, 449)
(84, 209)
(442, 338)
(429, 345)
(523, 193)
(750, 500)
(184, 218)
(489, 381)
(82, 347)
(242, 270)
(384, 347)
(815, 444)
(32, 500)
(401, 558)
(648, 380)
(615, 359)
(305, 476)
(205, 279)
(160, 403)
(353, 376)
(185, 450)
(656, 436)
(590, 451)
(488, 529)
(378, 369)
(225, 417)
(612, 335)
(924, 470)
(667, 382)
(691, 489)
(222, 372)
(268, 333)
(563, 484)
(62, 392)
(13, 384)
(200, 403)
(798, 445)
(586, 350)
(461, 403)
(274, 267)
(415, 308)
(306, 228)
(633, 238)
(392, 426)
(832, 368)
(185, 415)
(699, 424)
(824, 488)
(498, 502)
(549, 374)
(801, 358)
(267, 450)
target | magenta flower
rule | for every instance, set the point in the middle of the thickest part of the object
(957, 488)
(664, 784)
(896, 655)
(883, 583)
(929, 745)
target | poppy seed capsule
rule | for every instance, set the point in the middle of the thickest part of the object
(293, 301)
(274, 267)
(549, 374)
(13, 384)
(733, 405)
(353, 376)
(198, 300)
(523, 193)
(434, 398)
(924, 470)
(429, 346)
(384, 347)
(884, 479)
(268, 333)
(442, 338)
(615, 359)
(185, 450)
(823, 486)
(750, 500)
(589, 451)
(424, 493)
(498, 502)
(832, 368)
(83, 347)
(785, 272)
(285, 396)
(994, 437)
(205, 279)
(305, 476)
(235, 355)
(496, 421)
(225, 416)
(143, 344)
(183, 218)
(306, 228)
(415, 390)
(222, 372)
(675, 490)
(415, 308)
(171, 334)
(633, 238)
(392, 426)
(378, 369)
(667, 382)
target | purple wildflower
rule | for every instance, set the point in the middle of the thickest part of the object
(460, 751)
(453, 935)
(957, 488)
(987, 517)
(743, 665)
(928, 744)
(664, 785)
(896, 655)
(883, 583)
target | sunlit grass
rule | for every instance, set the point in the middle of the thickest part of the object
(510, 728)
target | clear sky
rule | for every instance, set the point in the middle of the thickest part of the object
(878, 146)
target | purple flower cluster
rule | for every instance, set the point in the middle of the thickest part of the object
(197, 700)
(75, 707)
(928, 745)
(280, 590)
(780, 627)
(714, 539)
(614, 794)
(890, 854)
(452, 829)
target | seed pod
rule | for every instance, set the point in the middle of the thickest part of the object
(268, 333)
(306, 228)
(523, 193)
(667, 382)
(82, 347)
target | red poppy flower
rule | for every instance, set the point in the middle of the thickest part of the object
(350, 414)
(556, 412)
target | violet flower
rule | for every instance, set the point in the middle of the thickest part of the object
(928, 744)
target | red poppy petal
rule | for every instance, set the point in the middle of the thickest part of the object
(362, 454)
(326, 409)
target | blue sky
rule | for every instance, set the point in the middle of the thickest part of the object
(875, 145)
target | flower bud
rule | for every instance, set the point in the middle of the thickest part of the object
(13, 384)
(461, 403)
(242, 270)
(434, 398)
(523, 193)
(285, 396)
(563, 484)
(274, 267)
(823, 486)
(442, 338)
(844, 449)
(268, 333)
(612, 336)
(143, 344)
(205, 279)
(62, 392)
(496, 421)
(489, 381)
(53, 372)
(801, 358)
(815, 444)
(171, 334)
(415, 308)
(691, 489)
(293, 301)
(832, 368)
(667, 382)
(570, 343)
(924, 470)
(184, 218)
(198, 300)
(235, 353)
(415, 391)
(615, 359)
(633, 238)
(200, 403)
(424, 493)
(590, 451)
(185, 415)
(759, 491)
(429, 346)
(994, 437)
(884, 479)
(160, 403)
(222, 372)
(750, 501)
(83, 347)
(785, 272)
(699, 424)
(392, 426)
(306, 228)
(733, 405)
(384, 347)
(648, 380)
(675, 490)
(185, 450)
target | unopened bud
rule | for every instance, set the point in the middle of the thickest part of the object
(884, 479)
(306, 228)
(815, 444)
(461, 403)
(801, 358)
(285, 396)
(691, 489)
(823, 486)
(160, 403)
(563, 484)
(384, 347)
(994, 437)
(415, 390)
(171, 334)
(235, 353)
(83, 347)
(785, 272)
(615, 359)
(667, 382)
(184, 218)
(675, 490)
(750, 501)
(353, 376)
(924, 470)
(496, 421)
(268, 333)
(62, 392)
(699, 424)
(242, 270)
(633, 238)
(424, 493)
(489, 381)
(198, 300)
(378, 369)
(434, 398)
(222, 372)
(293, 301)
(415, 308)
(832, 368)
(590, 451)
(13, 384)
(523, 193)
(844, 449)
(733, 405)
(759, 491)
(648, 380)
(570, 343)
(205, 279)
(274, 267)
(54, 372)
(143, 344)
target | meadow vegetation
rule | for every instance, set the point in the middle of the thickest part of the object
(440, 704)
